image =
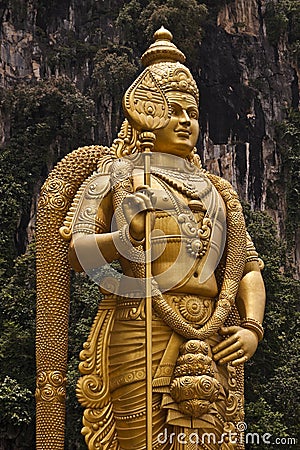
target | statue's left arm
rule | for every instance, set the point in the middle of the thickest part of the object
(241, 341)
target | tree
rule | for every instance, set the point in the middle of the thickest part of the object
(271, 385)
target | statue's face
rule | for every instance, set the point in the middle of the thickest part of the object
(179, 137)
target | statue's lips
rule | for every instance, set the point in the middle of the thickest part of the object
(183, 133)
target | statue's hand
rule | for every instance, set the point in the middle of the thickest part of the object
(237, 348)
(135, 206)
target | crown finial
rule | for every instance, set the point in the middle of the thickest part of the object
(163, 34)
(162, 50)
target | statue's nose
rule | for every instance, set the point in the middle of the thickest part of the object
(184, 117)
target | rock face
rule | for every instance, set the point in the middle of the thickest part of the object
(19, 51)
(246, 84)
(240, 15)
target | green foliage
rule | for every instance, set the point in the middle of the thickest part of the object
(47, 119)
(17, 316)
(271, 384)
(14, 401)
(282, 17)
(276, 22)
(11, 191)
(288, 140)
(127, 22)
(85, 297)
(268, 245)
(263, 421)
(17, 354)
(69, 53)
(50, 112)
(174, 15)
(114, 70)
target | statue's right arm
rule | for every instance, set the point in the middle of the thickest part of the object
(84, 245)
(90, 251)
(83, 253)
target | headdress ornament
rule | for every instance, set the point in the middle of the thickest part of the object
(145, 103)
(165, 62)
(162, 49)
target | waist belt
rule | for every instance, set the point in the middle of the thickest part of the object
(193, 309)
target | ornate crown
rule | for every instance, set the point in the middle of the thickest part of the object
(165, 62)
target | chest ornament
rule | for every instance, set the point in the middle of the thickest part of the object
(196, 236)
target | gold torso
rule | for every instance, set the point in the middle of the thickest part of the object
(167, 240)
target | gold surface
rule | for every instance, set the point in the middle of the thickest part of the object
(183, 358)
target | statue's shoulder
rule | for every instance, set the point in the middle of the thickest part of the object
(223, 186)
(68, 175)
(65, 184)
(217, 180)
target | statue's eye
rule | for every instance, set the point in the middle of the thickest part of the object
(193, 113)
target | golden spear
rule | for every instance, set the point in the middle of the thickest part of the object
(147, 110)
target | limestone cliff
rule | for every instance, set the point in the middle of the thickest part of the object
(247, 87)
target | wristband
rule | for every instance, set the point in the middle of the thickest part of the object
(253, 325)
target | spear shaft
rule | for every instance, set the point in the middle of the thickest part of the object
(141, 117)
(148, 142)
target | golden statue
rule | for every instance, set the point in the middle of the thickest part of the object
(163, 365)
